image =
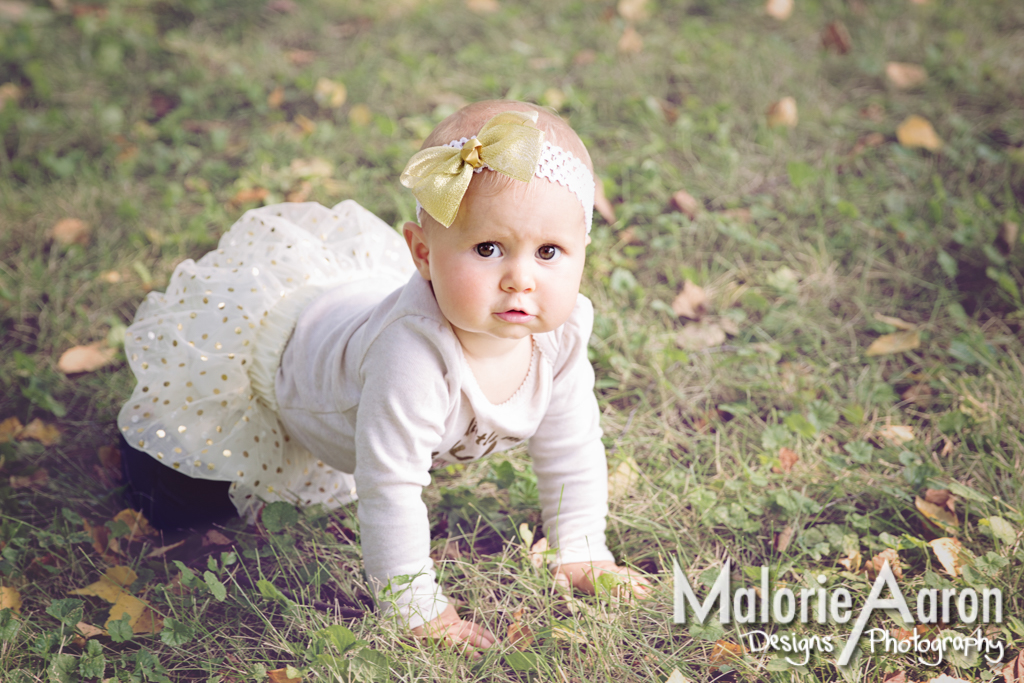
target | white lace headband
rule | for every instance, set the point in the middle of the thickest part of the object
(558, 166)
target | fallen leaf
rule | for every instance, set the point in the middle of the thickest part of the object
(905, 76)
(873, 112)
(87, 358)
(140, 616)
(565, 633)
(686, 203)
(784, 538)
(836, 38)
(254, 194)
(329, 94)
(111, 276)
(940, 497)
(779, 9)
(895, 322)
(944, 678)
(852, 561)
(740, 215)
(9, 92)
(1007, 238)
(584, 57)
(633, 10)
(526, 534)
(866, 142)
(483, 6)
(9, 429)
(919, 394)
(109, 457)
(787, 458)
(697, 336)
(897, 342)
(783, 114)
(214, 537)
(305, 124)
(111, 585)
(1013, 672)
(12, 10)
(898, 434)
(69, 231)
(89, 631)
(875, 564)
(275, 98)
(601, 203)
(137, 523)
(314, 167)
(554, 98)
(300, 193)
(623, 478)
(360, 115)
(917, 131)
(100, 536)
(677, 677)
(691, 302)
(947, 550)
(630, 42)
(537, 550)
(36, 480)
(281, 675)
(10, 598)
(38, 430)
(282, 6)
(935, 513)
(301, 58)
(164, 549)
(724, 650)
(519, 635)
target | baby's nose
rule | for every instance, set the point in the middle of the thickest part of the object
(519, 277)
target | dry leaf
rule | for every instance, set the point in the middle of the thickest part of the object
(623, 478)
(866, 142)
(254, 194)
(164, 549)
(947, 550)
(10, 598)
(787, 459)
(1013, 672)
(537, 551)
(873, 112)
(940, 497)
(483, 6)
(9, 429)
(214, 537)
(875, 564)
(137, 524)
(329, 94)
(305, 124)
(779, 9)
(13, 10)
(281, 675)
(140, 616)
(897, 342)
(917, 131)
(109, 457)
(784, 538)
(740, 215)
(1007, 238)
(691, 302)
(584, 57)
(919, 394)
(601, 203)
(314, 167)
(300, 193)
(86, 358)
(631, 42)
(111, 585)
(360, 115)
(697, 336)
(68, 231)
(9, 92)
(36, 480)
(905, 76)
(935, 513)
(89, 631)
(686, 203)
(724, 650)
(633, 10)
(554, 98)
(898, 434)
(677, 677)
(836, 38)
(783, 114)
(45, 434)
(111, 276)
(519, 635)
(275, 98)
(895, 322)
(100, 536)
(852, 561)
(300, 57)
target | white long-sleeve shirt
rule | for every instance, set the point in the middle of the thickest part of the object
(379, 387)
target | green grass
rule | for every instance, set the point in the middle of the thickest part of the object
(146, 120)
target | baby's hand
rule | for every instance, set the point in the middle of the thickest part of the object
(455, 632)
(583, 575)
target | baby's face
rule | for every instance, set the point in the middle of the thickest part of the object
(509, 266)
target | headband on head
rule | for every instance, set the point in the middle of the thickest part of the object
(508, 143)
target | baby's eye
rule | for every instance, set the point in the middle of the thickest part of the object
(488, 250)
(549, 252)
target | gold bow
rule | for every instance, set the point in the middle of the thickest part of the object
(509, 143)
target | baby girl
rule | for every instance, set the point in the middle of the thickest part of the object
(310, 359)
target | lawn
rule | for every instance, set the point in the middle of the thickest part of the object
(846, 387)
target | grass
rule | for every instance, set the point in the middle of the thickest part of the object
(149, 119)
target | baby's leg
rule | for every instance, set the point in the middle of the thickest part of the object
(169, 499)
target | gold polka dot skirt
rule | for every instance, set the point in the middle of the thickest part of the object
(206, 351)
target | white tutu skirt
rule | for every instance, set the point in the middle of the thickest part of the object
(205, 352)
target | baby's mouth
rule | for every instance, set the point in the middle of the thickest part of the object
(514, 315)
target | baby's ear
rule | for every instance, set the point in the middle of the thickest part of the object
(416, 239)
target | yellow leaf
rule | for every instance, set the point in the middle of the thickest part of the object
(526, 534)
(360, 115)
(631, 42)
(725, 650)
(9, 429)
(305, 124)
(554, 98)
(68, 231)
(111, 585)
(328, 93)
(85, 358)
(905, 76)
(10, 598)
(897, 342)
(623, 478)
(281, 676)
(917, 131)
(895, 322)
(898, 434)
(691, 302)
(935, 513)
(140, 616)
(633, 10)
(519, 634)
(947, 550)
(45, 434)
(783, 114)
(852, 561)
(110, 276)
(779, 9)
(137, 524)
(483, 6)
